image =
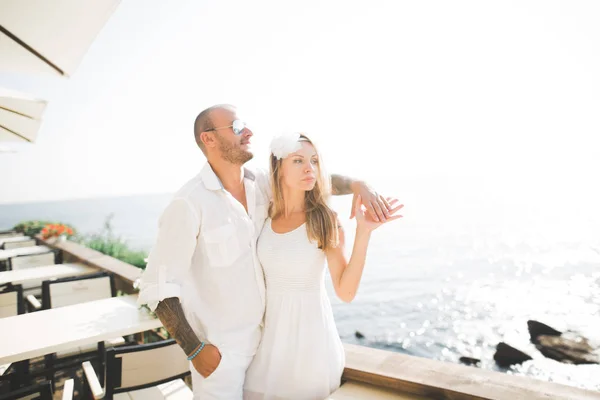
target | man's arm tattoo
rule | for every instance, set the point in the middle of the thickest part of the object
(170, 313)
(341, 185)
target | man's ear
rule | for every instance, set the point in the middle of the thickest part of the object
(208, 139)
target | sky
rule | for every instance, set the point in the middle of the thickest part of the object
(483, 101)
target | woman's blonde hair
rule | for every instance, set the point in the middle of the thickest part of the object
(321, 220)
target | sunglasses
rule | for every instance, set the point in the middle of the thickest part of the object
(237, 125)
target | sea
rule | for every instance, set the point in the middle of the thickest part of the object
(458, 274)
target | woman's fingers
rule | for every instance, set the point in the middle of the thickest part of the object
(394, 217)
(353, 209)
(356, 210)
(395, 209)
(378, 210)
(385, 205)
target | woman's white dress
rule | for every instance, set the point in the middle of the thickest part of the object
(301, 355)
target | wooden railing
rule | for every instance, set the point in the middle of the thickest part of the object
(125, 273)
(443, 380)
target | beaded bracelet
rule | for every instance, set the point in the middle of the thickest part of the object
(190, 358)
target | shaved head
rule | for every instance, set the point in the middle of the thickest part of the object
(204, 122)
(225, 145)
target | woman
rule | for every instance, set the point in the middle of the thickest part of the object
(301, 355)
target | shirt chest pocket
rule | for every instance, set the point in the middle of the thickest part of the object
(222, 245)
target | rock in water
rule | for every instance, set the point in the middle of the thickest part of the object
(537, 328)
(469, 360)
(567, 347)
(506, 355)
(568, 350)
(359, 335)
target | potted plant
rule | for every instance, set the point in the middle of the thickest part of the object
(58, 231)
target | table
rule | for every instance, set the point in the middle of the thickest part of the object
(23, 251)
(36, 334)
(13, 239)
(43, 273)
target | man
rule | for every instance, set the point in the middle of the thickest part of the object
(203, 278)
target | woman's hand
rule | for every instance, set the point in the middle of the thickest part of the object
(366, 223)
(377, 206)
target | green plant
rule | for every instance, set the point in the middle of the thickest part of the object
(33, 227)
(106, 242)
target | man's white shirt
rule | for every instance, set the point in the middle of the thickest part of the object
(205, 255)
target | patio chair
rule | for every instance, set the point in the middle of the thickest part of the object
(12, 304)
(76, 290)
(34, 260)
(32, 290)
(11, 300)
(146, 371)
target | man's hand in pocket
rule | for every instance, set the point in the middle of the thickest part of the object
(207, 361)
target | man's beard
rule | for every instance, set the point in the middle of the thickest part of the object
(232, 153)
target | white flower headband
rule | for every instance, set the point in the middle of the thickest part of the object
(285, 144)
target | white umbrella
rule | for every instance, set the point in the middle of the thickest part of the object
(20, 116)
(49, 36)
